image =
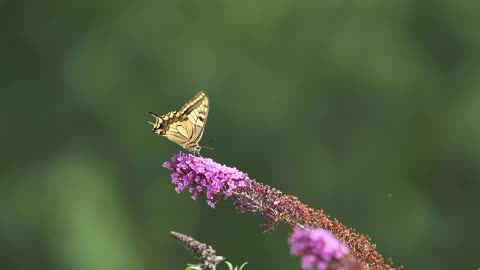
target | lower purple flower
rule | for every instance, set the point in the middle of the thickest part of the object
(318, 248)
(204, 176)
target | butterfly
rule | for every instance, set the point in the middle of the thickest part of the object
(186, 126)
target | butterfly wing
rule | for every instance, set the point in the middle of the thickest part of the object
(186, 126)
(197, 116)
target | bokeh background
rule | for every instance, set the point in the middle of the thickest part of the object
(366, 109)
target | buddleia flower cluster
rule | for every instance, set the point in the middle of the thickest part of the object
(203, 176)
(204, 253)
(320, 250)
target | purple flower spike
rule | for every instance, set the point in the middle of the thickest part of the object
(318, 248)
(204, 176)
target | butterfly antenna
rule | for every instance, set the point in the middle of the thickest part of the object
(209, 148)
(209, 142)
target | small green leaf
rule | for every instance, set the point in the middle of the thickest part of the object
(241, 267)
(230, 266)
(193, 267)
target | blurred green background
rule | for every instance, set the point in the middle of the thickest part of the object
(366, 109)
